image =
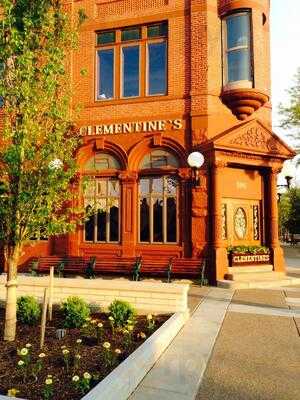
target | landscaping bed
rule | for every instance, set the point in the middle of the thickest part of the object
(97, 351)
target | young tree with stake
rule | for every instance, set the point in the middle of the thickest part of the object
(37, 144)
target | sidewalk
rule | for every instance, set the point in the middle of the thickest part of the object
(241, 345)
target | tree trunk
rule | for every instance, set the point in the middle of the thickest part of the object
(11, 294)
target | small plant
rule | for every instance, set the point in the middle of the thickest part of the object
(48, 388)
(108, 355)
(150, 323)
(77, 358)
(13, 392)
(121, 311)
(82, 384)
(75, 311)
(66, 358)
(38, 366)
(99, 332)
(28, 310)
(24, 362)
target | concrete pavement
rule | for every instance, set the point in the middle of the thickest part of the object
(242, 345)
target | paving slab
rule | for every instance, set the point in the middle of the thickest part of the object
(178, 372)
(260, 297)
(196, 295)
(255, 358)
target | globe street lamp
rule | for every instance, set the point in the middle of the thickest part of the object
(195, 161)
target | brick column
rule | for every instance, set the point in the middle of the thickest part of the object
(218, 245)
(277, 252)
(128, 212)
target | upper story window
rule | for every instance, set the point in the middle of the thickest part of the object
(132, 62)
(237, 43)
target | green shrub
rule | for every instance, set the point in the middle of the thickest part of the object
(28, 310)
(121, 311)
(75, 311)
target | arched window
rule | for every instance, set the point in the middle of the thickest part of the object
(158, 198)
(102, 199)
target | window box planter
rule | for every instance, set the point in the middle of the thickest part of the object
(239, 257)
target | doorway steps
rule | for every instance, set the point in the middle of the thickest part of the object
(260, 276)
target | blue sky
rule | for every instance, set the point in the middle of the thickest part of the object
(285, 51)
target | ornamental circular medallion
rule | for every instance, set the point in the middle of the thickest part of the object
(240, 223)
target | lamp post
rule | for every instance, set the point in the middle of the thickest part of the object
(195, 161)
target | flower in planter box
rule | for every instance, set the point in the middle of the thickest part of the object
(48, 388)
(24, 351)
(99, 332)
(118, 351)
(12, 392)
(77, 359)
(142, 335)
(112, 323)
(38, 366)
(28, 345)
(66, 358)
(150, 323)
(108, 355)
(82, 384)
(106, 345)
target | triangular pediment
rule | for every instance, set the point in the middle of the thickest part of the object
(253, 137)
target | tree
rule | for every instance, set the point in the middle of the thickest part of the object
(38, 140)
(291, 112)
(289, 211)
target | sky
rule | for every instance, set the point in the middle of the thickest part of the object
(285, 55)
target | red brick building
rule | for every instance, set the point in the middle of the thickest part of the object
(164, 78)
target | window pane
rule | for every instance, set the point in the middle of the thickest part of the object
(131, 66)
(113, 188)
(238, 31)
(157, 185)
(89, 227)
(157, 68)
(158, 221)
(144, 220)
(101, 226)
(131, 34)
(101, 188)
(157, 30)
(239, 65)
(114, 223)
(171, 220)
(144, 186)
(106, 74)
(106, 37)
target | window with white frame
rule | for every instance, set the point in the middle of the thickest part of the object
(237, 45)
(132, 62)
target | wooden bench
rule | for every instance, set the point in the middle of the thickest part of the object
(155, 266)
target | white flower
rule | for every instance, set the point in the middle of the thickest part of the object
(65, 352)
(56, 164)
(100, 325)
(78, 356)
(49, 376)
(111, 318)
(20, 363)
(63, 347)
(118, 351)
(93, 321)
(79, 341)
(75, 378)
(28, 345)
(84, 326)
(24, 351)
(106, 345)
(143, 335)
(86, 375)
(88, 318)
(49, 381)
(149, 317)
(130, 328)
(42, 355)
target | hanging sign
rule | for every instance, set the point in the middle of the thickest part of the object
(132, 127)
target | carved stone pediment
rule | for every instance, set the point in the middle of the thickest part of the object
(253, 137)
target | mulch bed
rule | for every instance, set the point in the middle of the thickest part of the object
(92, 356)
